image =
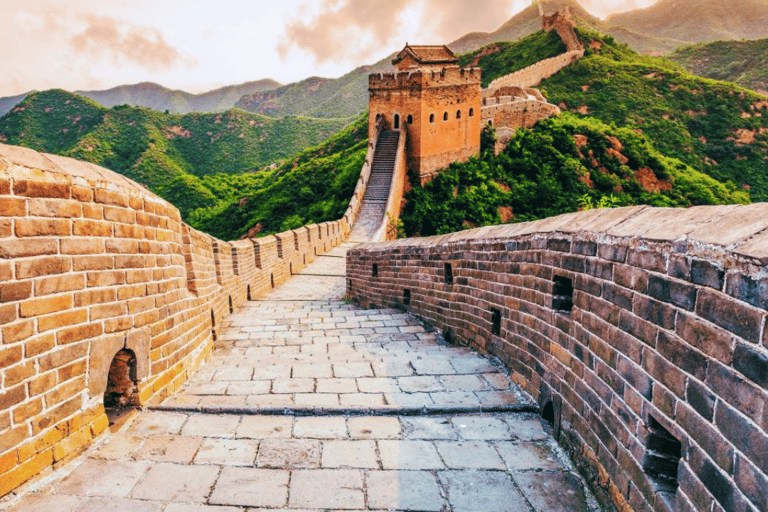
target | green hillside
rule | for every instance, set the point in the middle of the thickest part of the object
(717, 128)
(561, 165)
(170, 154)
(316, 186)
(741, 62)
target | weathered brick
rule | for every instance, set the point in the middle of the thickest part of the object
(665, 373)
(63, 319)
(82, 245)
(612, 252)
(8, 313)
(121, 246)
(93, 263)
(47, 189)
(42, 383)
(109, 197)
(618, 295)
(93, 211)
(54, 208)
(46, 305)
(679, 353)
(675, 292)
(54, 416)
(92, 228)
(101, 296)
(108, 310)
(679, 267)
(635, 377)
(718, 484)
(701, 399)
(18, 373)
(752, 482)
(73, 334)
(711, 340)
(743, 434)
(5, 189)
(654, 311)
(752, 363)
(18, 331)
(82, 194)
(123, 215)
(736, 317)
(649, 260)
(13, 207)
(706, 435)
(39, 344)
(62, 356)
(106, 278)
(11, 397)
(705, 273)
(15, 291)
(631, 277)
(42, 227)
(6, 228)
(73, 444)
(15, 248)
(20, 474)
(27, 410)
(731, 387)
(42, 267)
(72, 370)
(639, 328)
(10, 355)
(59, 284)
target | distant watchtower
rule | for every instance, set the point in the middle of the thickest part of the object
(437, 103)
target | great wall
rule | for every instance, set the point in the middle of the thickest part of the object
(640, 332)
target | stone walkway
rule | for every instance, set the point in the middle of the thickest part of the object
(311, 404)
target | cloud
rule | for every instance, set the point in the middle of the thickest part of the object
(360, 28)
(145, 47)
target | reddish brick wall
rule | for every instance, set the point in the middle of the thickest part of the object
(90, 264)
(667, 331)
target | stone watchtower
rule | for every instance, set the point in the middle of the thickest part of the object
(437, 104)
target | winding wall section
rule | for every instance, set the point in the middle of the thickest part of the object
(91, 263)
(667, 335)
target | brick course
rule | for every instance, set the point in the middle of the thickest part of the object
(655, 335)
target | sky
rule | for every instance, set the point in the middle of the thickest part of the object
(199, 45)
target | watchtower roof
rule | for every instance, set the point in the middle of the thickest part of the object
(429, 55)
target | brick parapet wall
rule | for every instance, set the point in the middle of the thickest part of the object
(422, 79)
(534, 74)
(92, 263)
(667, 326)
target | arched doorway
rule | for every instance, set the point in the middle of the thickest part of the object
(122, 393)
(397, 122)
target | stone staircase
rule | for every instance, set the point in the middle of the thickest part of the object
(377, 190)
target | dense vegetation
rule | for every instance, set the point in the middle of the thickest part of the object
(504, 58)
(741, 62)
(316, 186)
(556, 167)
(715, 127)
(193, 160)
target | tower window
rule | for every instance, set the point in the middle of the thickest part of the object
(406, 297)
(495, 322)
(458, 114)
(410, 119)
(471, 112)
(432, 118)
(375, 270)
(397, 121)
(445, 116)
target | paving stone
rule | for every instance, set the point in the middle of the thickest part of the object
(222, 401)
(378, 385)
(104, 478)
(269, 400)
(264, 427)
(419, 400)
(525, 427)
(227, 452)
(45, 503)
(499, 381)
(153, 422)
(334, 427)
(409, 455)
(316, 400)
(453, 398)
(496, 398)
(289, 453)
(481, 427)
(374, 427)
(472, 364)
(174, 482)
(526, 456)
(404, 490)
(312, 371)
(350, 454)
(254, 387)
(272, 372)
(464, 383)
(419, 383)
(179, 449)
(207, 388)
(392, 369)
(293, 386)
(189, 507)
(428, 428)
(469, 455)
(560, 492)
(433, 366)
(482, 491)
(208, 425)
(119, 446)
(363, 400)
(331, 489)
(336, 386)
(113, 505)
(228, 374)
(251, 487)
